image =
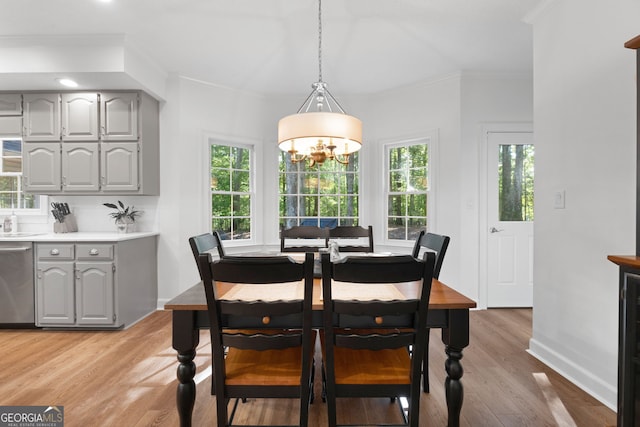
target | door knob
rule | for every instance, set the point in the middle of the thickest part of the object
(495, 230)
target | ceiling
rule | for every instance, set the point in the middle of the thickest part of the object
(271, 46)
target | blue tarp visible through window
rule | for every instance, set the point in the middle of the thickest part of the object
(324, 222)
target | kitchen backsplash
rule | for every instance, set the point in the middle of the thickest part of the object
(92, 215)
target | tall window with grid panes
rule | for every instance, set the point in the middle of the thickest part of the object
(325, 195)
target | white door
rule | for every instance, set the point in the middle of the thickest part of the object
(510, 219)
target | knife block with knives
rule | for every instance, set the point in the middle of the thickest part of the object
(65, 220)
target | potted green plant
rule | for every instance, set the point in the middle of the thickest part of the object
(124, 216)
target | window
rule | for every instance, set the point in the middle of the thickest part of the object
(231, 190)
(515, 182)
(12, 196)
(408, 186)
(325, 195)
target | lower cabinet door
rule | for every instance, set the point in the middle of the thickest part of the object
(55, 293)
(95, 293)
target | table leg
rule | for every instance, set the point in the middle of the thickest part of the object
(455, 338)
(185, 340)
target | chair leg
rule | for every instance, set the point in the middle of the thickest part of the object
(425, 365)
(324, 384)
(221, 410)
(313, 376)
(331, 411)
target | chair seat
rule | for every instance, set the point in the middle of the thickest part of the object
(266, 367)
(388, 366)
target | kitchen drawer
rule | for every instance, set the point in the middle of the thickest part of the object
(54, 251)
(94, 251)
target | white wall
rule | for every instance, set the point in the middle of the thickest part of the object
(195, 112)
(584, 109)
(407, 113)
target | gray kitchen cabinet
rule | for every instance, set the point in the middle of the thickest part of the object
(122, 126)
(55, 284)
(94, 293)
(10, 104)
(95, 284)
(79, 115)
(119, 116)
(119, 166)
(41, 163)
(11, 126)
(80, 167)
(41, 117)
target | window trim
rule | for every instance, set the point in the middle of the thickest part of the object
(431, 139)
(211, 140)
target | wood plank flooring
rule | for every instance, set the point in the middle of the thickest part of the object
(128, 378)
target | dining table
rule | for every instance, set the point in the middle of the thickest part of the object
(448, 311)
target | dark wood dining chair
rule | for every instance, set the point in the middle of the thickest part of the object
(308, 238)
(253, 357)
(345, 233)
(365, 342)
(438, 244)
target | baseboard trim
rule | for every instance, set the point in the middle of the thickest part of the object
(595, 386)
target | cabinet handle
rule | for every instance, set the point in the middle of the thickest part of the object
(94, 252)
(54, 252)
(64, 130)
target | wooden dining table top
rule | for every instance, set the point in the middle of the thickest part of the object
(442, 296)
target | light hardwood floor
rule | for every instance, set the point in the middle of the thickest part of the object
(128, 378)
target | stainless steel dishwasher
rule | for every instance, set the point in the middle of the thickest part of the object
(17, 301)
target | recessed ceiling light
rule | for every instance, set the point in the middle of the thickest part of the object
(67, 82)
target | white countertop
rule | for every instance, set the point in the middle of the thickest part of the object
(82, 236)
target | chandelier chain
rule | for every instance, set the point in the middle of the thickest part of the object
(319, 40)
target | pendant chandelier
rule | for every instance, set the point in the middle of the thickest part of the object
(320, 130)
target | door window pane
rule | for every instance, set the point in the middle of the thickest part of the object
(515, 182)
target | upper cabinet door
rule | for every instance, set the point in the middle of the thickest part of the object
(80, 166)
(119, 167)
(10, 104)
(80, 116)
(41, 162)
(119, 116)
(42, 117)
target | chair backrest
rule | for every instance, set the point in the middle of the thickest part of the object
(365, 235)
(304, 232)
(248, 309)
(437, 243)
(205, 243)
